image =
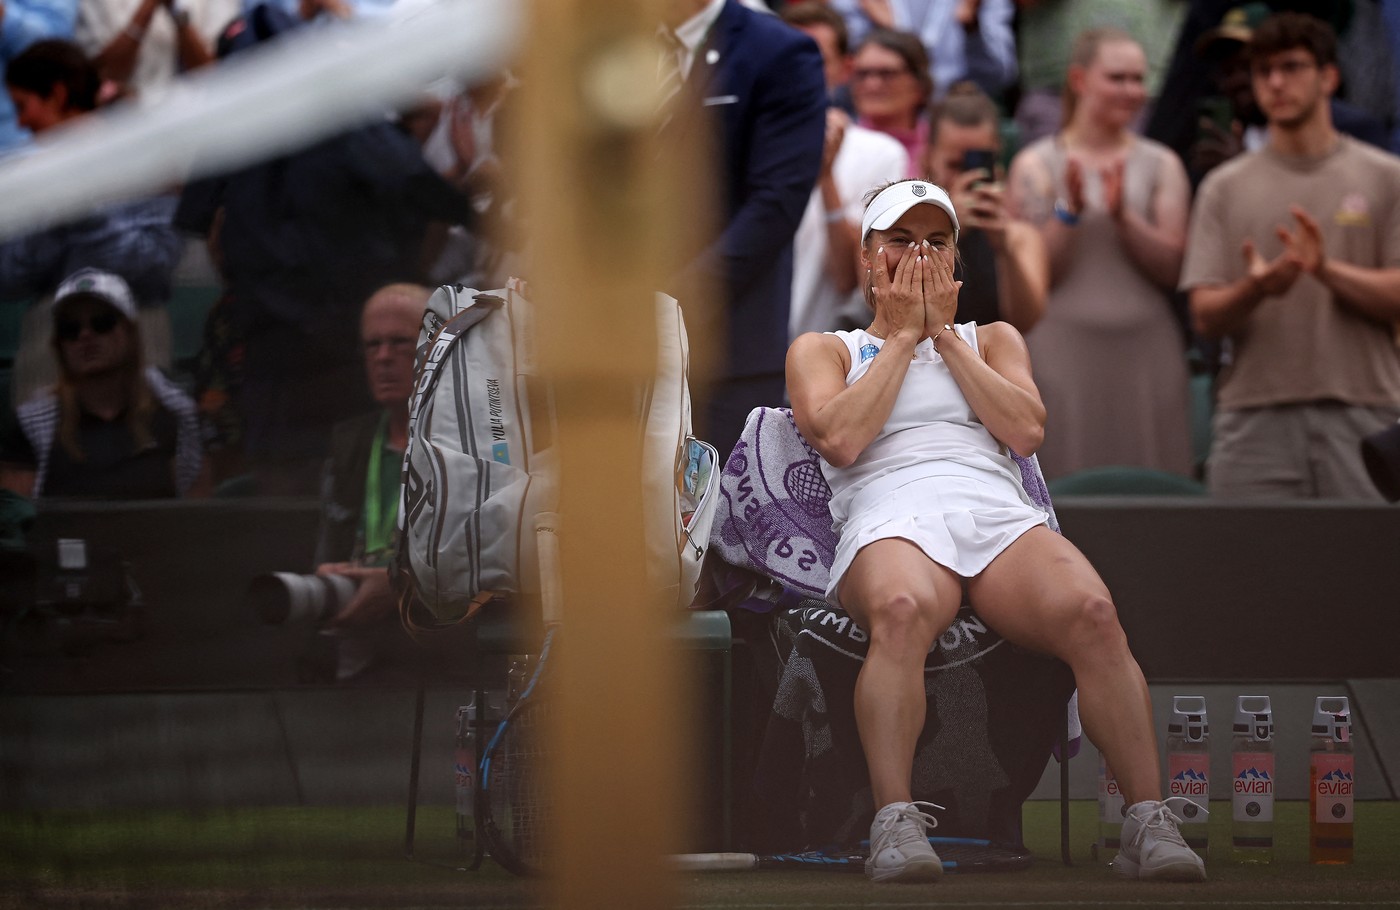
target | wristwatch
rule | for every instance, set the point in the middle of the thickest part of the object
(1063, 213)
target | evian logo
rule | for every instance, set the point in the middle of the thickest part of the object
(1254, 781)
(1189, 782)
(1335, 783)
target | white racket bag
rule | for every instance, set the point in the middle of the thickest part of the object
(480, 462)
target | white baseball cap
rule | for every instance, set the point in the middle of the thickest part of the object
(893, 201)
(105, 286)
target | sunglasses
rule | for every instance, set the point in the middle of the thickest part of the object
(68, 328)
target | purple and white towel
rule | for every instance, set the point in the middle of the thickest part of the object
(773, 517)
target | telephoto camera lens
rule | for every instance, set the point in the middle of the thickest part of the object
(284, 598)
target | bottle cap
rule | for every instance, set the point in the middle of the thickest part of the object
(1189, 718)
(1254, 717)
(1332, 718)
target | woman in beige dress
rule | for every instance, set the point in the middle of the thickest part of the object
(1112, 208)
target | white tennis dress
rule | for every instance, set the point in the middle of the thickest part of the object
(933, 476)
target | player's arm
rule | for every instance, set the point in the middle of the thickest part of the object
(998, 384)
(839, 420)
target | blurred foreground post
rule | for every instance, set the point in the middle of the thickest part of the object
(603, 218)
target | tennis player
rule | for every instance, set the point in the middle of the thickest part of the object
(913, 417)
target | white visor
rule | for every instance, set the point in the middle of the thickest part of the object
(888, 207)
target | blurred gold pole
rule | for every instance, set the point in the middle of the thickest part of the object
(603, 218)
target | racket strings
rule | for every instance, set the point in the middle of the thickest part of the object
(520, 807)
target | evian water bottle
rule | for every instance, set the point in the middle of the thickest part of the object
(1330, 809)
(1252, 785)
(1188, 768)
(1111, 811)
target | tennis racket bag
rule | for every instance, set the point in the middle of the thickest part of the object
(473, 469)
(480, 461)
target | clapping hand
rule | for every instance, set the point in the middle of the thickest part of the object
(1303, 251)
(460, 132)
(836, 122)
(1112, 179)
(1305, 247)
(1074, 186)
(1273, 276)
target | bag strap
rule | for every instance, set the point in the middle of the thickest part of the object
(437, 349)
(439, 345)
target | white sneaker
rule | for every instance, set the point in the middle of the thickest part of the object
(1153, 848)
(899, 847)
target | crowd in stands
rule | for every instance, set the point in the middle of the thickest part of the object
(1123, 171)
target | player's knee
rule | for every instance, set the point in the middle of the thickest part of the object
(895, 615)
(1096, 620)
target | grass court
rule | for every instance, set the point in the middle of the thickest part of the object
(353, 858)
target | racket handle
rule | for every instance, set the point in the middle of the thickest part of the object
(551, 584)
(713, 862)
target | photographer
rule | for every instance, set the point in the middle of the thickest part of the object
(360, 490)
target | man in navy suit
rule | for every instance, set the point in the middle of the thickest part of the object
(759, 86)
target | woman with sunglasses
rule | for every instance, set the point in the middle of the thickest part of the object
(109, 428)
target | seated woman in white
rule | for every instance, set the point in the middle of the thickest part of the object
(913, 417)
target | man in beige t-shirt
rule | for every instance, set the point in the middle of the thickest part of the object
(1294, 255)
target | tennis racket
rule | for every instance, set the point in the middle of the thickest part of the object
(514, 812)
(959, 854)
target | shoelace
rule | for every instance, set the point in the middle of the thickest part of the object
(1163, 821)
(911, 812)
